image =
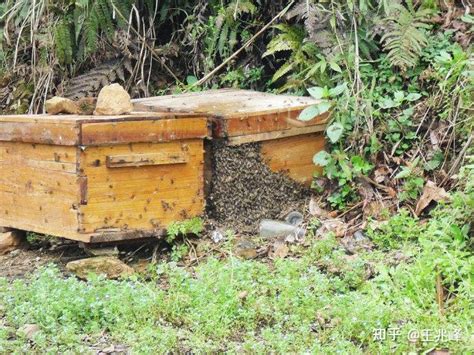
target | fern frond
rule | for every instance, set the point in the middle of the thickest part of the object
(90, 33)
(406, 36)
(239, 7)
(283, 70)
(309, 49)
(63, 42)
(232, 39)
(222, 45)
(103, 12)
(290, 39)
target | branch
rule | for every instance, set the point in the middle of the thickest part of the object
(246, 45)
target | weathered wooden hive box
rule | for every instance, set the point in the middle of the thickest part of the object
(243, 116)
(99, 178)
(246, 123)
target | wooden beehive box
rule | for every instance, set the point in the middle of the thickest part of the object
(241, 116)
(98, 178)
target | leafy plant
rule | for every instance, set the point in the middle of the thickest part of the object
(398, 230)
(401, 132)
(190, 226)
(324, 94)
(339, 167)
(412, 181)
(242, 77)
(399, 98)
(405, 34)
(178, 252)
(304, 62)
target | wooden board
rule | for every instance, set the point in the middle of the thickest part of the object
(71, 130)
(237, 112)
(224, 102)
(144, 197)
(38, 188)
(294, 155)
(39, 132)
(138, 131)
(266, 136)
(145, 159)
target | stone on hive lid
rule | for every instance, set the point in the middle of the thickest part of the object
(113, 100)
(58, 104)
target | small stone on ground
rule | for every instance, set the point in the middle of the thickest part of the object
(29, 331)
(10, 241)
(111, 267)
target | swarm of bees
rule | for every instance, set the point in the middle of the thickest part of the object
(244, 190)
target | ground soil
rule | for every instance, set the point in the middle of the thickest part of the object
(24, 261)
(27, 258)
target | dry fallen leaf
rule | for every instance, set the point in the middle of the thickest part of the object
(434, 139)
(378, 224)
(280, 250)
(391, 192)
(374, 209)
(335, 226)
(431, 192)
(315, 210)
(109, 350)
(366, 191)
(381, 173)
(29, 331)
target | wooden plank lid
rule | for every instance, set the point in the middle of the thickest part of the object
(72, 130)
(237, 112)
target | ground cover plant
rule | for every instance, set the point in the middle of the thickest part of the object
(386, 265)
(320, 299)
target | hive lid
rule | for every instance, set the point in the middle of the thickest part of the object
(102, 130)
(238, 112)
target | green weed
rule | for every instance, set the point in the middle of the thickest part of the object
(322, 301)
(190, 226)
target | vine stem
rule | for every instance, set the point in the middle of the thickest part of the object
(357, 86)
(246, 45)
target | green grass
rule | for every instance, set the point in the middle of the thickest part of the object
(319, 302)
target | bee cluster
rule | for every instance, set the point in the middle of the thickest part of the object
(245, 190)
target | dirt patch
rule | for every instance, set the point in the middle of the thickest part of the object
(245, 190)
(22, 262)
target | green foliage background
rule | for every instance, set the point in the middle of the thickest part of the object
(399, 78)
